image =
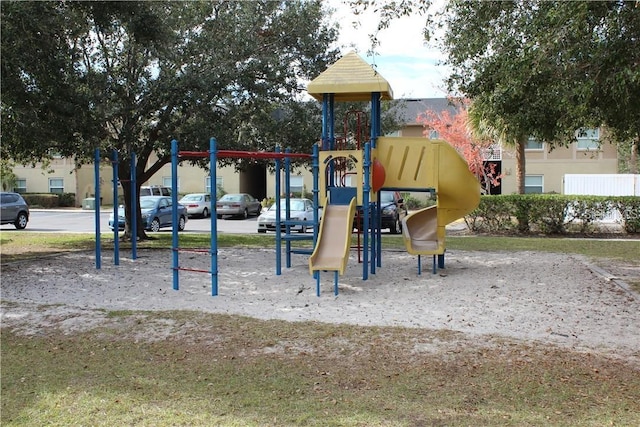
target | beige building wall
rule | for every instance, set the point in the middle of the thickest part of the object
(74, 180)
(553, 165)
(550, 165)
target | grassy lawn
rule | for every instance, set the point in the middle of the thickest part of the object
(215, 369)
(16, 245)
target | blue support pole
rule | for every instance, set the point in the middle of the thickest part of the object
(96, 185)
(325, 122)
(174, 213)
(116, 218)
(332, 122)
(213, 157)
(366, 211)
(335, 282)
(134, 208)
(278, 229)
(419, 265)
(287, 207)
(376, 232)
(376, 122)
(315, 168)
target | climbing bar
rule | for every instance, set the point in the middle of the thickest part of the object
(195, 270)
(198, 251)
(246, 154)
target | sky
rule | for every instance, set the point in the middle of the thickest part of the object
(410, 67)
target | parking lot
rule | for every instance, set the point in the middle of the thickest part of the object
(83, 221)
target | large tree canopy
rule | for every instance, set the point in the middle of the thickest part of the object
(545, 69)
(548, 68)
(134, 75)
(536, 67)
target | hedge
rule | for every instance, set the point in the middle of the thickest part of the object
(50, 200)
(551, 213)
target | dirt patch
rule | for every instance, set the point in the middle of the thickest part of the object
(539, 298)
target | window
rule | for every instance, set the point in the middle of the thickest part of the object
(434, 134)
(533, 184)
(166, 182)
(494, 152)
(296, 184)
(56, 185)
(20, 185)
(533, 144)
(588, 139)
(207, 183)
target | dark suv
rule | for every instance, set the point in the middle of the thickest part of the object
(393, 210)
(14, 210)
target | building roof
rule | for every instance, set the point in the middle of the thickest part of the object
(411, 108)
(350, 78)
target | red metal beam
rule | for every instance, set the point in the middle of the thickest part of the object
(246, 154)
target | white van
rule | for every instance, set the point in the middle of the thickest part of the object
(154, 190)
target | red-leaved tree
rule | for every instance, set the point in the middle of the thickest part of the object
(454, 128)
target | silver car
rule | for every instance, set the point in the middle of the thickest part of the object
(240, 204)
(299, 210)
(14, 210)
(197, 204)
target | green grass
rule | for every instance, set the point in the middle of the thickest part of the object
(214, 369)
(19, 245)
(235, 371)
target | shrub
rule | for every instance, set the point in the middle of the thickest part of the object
(42, 200)
(493, 214)
(629, 208)
(413, 203)
(550, 213)
(67, 200)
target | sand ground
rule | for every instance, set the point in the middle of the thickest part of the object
(564, 300)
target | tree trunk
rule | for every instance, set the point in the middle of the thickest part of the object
(520, 164)
(633, 158)
(125, 180)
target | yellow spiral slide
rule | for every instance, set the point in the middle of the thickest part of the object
(429, 164)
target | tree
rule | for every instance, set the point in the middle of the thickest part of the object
(498, 131)
(539, 68)
(454, 128)
(8, 178)
(132, 76)
(546, 69)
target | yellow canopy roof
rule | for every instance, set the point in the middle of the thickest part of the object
(350, 78)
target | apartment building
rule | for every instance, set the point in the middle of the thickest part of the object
(545, 168)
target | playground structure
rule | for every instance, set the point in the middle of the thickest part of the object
(381, 163)
(384, 163)
(282, 224)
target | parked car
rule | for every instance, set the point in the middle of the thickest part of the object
(393, 210)
(300, 209)
(14, 210)
(156, 214)
(241, 204)
(154, 190)
(197, 204)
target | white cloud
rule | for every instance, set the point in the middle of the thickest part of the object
(410, 67)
